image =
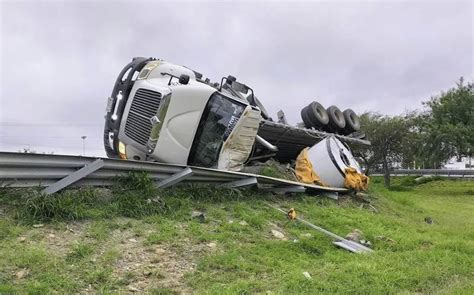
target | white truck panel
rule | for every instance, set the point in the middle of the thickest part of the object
(181, 122)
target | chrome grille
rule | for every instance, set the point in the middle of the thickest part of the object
(145, 104)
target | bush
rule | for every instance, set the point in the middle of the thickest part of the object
(135, 181)
(133, 195)
(70, 205)
(137, 204)
(408, 181)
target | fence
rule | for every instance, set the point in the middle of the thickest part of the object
(431, 172)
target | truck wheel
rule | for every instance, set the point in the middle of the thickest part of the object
(317, 115)
(304, 116)
(352, 121)
(337, 123)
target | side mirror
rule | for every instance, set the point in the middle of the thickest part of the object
(184, 79)
(231, 79)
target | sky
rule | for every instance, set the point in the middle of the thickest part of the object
(59, 59)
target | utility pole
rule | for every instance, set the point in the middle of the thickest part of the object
(83, 145)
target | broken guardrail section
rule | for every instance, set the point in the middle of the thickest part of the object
(338, 240)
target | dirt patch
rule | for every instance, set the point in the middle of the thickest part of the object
(136, 265)
(55, 240)
(141, 267)
(60, 241)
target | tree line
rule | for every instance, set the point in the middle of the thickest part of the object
(425, 138)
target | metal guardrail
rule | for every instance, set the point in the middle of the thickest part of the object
(431, 172)
(55, 172)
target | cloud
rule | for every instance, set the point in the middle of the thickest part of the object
(59, 60)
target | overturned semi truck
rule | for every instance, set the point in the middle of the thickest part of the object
(162, 112)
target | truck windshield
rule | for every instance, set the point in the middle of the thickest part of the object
(217, 122)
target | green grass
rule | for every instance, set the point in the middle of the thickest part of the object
(136, 236)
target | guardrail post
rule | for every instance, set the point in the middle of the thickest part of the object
(75, 176)
(289, 189)
(175, 178)
(241, 182)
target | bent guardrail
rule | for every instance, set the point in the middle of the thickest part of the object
(56, 172)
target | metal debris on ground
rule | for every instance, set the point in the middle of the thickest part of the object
(373, 208)
(339, 241)
(366, 243)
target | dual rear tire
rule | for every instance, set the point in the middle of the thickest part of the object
(337, 122)
(314, 115)
(331, 119)
(352, 121)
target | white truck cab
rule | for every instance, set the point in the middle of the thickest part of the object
(166, 113)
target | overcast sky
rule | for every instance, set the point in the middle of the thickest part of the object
(59, 59)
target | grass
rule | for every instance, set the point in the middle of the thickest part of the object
(134, 237)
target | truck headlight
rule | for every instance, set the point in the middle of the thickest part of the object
(157, 122)
(122, 151)
(147, 69)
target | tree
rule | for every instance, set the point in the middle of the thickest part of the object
(388, 136)
(413, 141)
(443, 130)
(366, 155)
(449, 124)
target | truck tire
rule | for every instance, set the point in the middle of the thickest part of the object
(337, 123)
(304, 115)
(352, 121)
(317, 115)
